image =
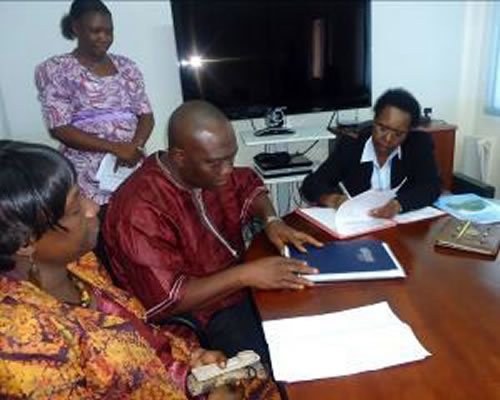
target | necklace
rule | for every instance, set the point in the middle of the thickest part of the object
(85, 298)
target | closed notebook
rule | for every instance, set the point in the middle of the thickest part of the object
(351, 260)
(468, 236)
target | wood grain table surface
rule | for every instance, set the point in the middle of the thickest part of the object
(450, 299)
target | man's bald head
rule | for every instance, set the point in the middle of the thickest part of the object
(201, 145)
(192, 118)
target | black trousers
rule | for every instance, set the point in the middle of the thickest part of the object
(238, 328)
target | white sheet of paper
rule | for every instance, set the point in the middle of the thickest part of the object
(109, 180)
(358, 207)
(418, 215)
(342, 343)
(328, 218)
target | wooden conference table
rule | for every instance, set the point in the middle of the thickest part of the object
(450, 299)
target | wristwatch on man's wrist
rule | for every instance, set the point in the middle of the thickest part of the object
(270, 219)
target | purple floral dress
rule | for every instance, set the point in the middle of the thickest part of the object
(107, 107)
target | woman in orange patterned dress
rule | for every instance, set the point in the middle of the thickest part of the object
(65, 331)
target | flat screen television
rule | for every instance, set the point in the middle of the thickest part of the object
(247, 56)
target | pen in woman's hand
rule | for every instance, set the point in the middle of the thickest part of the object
(344, 190)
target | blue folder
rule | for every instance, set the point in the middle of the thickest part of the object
(351, 260)
(470, 207)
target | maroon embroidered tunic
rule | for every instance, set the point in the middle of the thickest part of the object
(159, 234)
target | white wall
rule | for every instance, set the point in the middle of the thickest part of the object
(476, 57)
(22, 46)
(29, 32)
(416, 44)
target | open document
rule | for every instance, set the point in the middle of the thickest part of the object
(341, 343)
(108, 178)
(353, 218)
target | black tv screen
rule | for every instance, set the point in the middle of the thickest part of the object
(247, 56)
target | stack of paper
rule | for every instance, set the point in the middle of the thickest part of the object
(342, 343)
(108, 178)
(418, 215)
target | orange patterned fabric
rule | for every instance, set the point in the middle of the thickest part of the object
(50, 350)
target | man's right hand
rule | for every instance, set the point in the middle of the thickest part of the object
(276, 273)
(265, 273)
(332, 200)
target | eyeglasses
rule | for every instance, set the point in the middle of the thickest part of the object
(383, 130)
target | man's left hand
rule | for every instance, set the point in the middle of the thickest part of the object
(281, 234)
(203, 357)
(388, 210)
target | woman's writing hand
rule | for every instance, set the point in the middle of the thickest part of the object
(388, 210)
(332, 200)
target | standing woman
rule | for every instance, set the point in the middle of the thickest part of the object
(94, 102)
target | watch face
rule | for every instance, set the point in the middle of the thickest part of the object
(272, 218)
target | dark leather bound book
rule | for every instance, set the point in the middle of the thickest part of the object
(468, 236)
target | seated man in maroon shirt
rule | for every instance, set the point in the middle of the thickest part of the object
(173, 233)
